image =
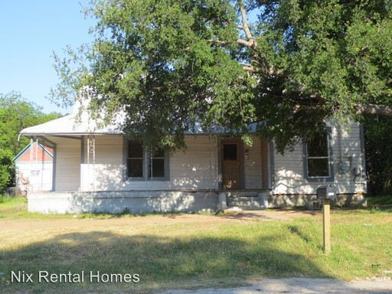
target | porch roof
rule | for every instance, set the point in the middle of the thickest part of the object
(71, 125)
(75, 124)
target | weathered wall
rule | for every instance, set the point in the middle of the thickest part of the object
(196, 168)
(34, 175)
(34, 169)
(252, 165)
(191, 169)
(121, 201)
(67, 164)
(288, 169)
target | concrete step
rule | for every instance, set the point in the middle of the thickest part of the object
(245, 202)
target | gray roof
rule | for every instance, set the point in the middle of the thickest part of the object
(78, 124)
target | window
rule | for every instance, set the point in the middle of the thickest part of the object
(135, 159)
(144, 163)
(157, 164)
(317, 157)
(229, 151)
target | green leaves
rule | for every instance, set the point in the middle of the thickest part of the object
(173, 63)
(15, 115)
(6, 168)
(328, 57)
(164, 62)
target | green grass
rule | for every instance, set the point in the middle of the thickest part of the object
(11, 201)
(191, 250)
(16, 208)
(380, 201)
(12, 206)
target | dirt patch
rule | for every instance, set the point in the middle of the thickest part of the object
(271, 215)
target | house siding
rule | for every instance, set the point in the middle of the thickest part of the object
(38, 173)
(67, 164)
(289, 173)
(33, 169)
(252, 165)
(195, 168)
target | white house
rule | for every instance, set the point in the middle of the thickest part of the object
(100, 170)
(34, 168)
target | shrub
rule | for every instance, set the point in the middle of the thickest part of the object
(6, 169)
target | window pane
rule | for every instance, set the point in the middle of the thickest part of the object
(318, 167)
(135, 149)
(158, 168)
(135, 168)
(318, 146)
(230, 152)
(158, 152)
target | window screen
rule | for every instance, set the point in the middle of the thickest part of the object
(157, 164)
(318, 157)
(135, 159)
(145, 164)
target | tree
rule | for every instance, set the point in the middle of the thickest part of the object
(378, 147)
(292, 65)
(15, 115)
(6, 168)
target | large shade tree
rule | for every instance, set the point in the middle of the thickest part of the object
(290, 64)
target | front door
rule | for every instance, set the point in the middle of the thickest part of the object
(231, 164)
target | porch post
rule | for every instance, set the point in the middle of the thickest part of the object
(91, 154)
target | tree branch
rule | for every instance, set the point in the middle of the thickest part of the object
(248, 68)
(245, 22)
(239, 41)
(243, 42)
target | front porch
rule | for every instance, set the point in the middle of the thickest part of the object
(144, 201)
(92, 174)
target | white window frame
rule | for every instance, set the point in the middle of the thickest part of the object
(330, 176)
(147, 163)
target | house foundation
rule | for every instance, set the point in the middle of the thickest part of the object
(173, 201)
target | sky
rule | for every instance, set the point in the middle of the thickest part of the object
(30, 31)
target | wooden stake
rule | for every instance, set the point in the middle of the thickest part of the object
(327, 226)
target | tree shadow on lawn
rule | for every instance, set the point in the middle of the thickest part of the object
(158, 260)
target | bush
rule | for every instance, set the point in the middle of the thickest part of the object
(6, 169)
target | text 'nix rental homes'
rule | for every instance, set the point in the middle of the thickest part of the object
(70, 277)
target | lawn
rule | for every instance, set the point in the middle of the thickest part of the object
(191, 250)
